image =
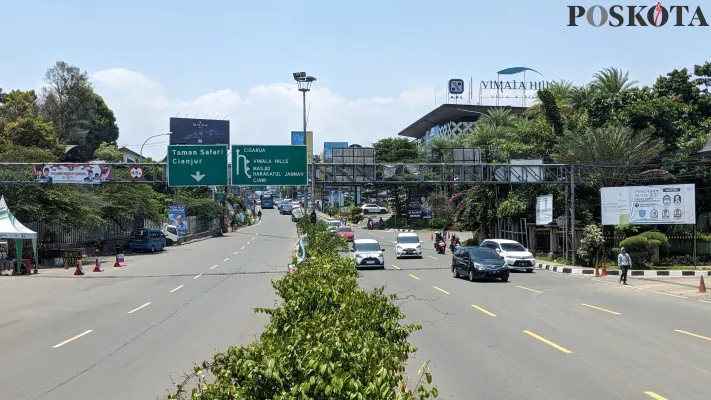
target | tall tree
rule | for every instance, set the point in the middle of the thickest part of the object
(551, 111)
(614, 154)
(69, 103)
(395, 150)
(104, 128)
(23, 125)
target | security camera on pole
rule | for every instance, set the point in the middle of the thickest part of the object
(304, 83)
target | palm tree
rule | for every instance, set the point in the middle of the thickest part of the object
(580, 96)
(439, 148)
(614, 153)
(499, 124)
(611, 81)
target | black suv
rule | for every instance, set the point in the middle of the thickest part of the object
(478, 262)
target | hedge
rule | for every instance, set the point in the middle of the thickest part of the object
(329, 339)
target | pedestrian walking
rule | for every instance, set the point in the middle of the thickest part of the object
(259, 214)
(624, 262)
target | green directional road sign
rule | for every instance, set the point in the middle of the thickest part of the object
(197, 165)
(269, 165)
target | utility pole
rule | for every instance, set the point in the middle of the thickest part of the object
(572, 211)
(304, 83)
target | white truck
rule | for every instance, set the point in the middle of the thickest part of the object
(171, 235)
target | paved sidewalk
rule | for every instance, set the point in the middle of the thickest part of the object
(676, 283)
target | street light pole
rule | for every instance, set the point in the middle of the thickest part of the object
(304, 82)
(146, 141)
(493, 124)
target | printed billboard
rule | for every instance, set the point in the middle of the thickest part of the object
(329, 146)
(419, 206)
(544, 209)
(299, 139)
(649, 205)
(199, 131)
(177, 216)
(88, 174)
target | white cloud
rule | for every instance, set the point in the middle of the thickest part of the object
(266, 114)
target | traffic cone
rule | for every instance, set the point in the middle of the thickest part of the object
(702, 286)
(449, 235)
(97, 266)
(79, 270)
(597, 272)
(431, 236)
(604, 269)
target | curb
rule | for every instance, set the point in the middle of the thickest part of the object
(589, 271)
(401, 230)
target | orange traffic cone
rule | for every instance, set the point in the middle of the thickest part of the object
(604, 269)
(449, 235)
(702, 286)
(97, 266)
(597, 272)
(79, 270)
(431, 236)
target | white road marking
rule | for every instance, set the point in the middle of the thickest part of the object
(672, 295)
(242, 248)
(197, 276)
(214, 266)
(252, 237)
(176, 289)
(226, 259)
(248, 243)
(72, 339)
(138, 308)
(236, 252)
(705, 301)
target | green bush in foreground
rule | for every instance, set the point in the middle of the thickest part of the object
(329, 339)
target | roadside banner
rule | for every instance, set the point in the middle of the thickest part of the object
(91, 174)
(177, 216)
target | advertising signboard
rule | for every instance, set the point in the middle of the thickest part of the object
(177, 216)
(199, 131)
(299, 139)
(328, 148)
(544, 209)
(419, 207)
(91, 174)
(649, 205)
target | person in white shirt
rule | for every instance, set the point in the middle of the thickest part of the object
(624, 262)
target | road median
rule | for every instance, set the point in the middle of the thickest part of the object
(328, 338)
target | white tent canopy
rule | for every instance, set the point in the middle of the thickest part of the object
(11, 228)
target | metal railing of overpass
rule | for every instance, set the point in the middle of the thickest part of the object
(441, 173)
(346, 174)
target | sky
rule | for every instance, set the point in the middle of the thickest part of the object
(380, 65)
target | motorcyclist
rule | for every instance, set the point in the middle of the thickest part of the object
(381, 223)
(454, 243)
(370, 223)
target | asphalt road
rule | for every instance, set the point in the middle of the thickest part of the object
(547, 336)
(127, 333)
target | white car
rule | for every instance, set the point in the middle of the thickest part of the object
(368, 253)
(515, 255)
(408, 245)
(373, 209)
(333, 224)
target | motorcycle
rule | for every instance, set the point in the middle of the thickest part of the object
(454, 245)
(370, 225)
(440, 246)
